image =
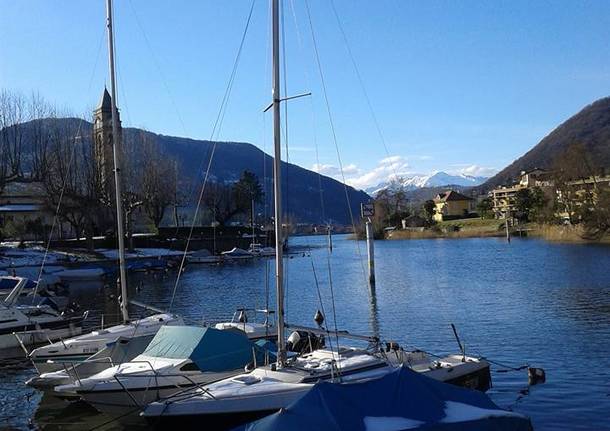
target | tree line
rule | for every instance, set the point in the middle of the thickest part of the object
(43, 145)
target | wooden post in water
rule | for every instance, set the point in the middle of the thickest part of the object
(371, 251)
(330, 238)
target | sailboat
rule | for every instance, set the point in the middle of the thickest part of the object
(178, 357)
(55, 356)
(266, 389)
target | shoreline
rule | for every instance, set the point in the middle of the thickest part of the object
(492, 229)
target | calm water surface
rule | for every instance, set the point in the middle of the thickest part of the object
(528, 302)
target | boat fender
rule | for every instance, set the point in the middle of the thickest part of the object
(249, 367)
(293, 340)
(536, 376)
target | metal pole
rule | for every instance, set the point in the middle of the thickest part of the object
(506, 224)
(371, 251)
(277, 189)
(117, 170)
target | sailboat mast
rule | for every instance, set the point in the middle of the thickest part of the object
(277, 188)
(115, 154)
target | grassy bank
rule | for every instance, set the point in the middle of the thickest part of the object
(573, 234)
(464, 228)
(483, 228)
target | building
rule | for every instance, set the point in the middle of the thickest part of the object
(504, 197)
(452, 205)
(576, 193)
(103, 142)
(22, 204)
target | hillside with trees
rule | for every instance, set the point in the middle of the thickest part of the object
(589, 129)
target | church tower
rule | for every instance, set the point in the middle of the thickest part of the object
(103, 142)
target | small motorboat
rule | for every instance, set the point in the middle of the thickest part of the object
(236, 254)
(70, 351)
(27, 325)
(116, 352)
(243, 320)
(203, 256)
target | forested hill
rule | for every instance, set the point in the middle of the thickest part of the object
(302, 197)
(589, 129)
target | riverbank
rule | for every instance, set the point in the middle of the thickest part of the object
(486, 228)
(464, 228)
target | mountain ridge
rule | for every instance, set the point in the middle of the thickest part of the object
(589, 128)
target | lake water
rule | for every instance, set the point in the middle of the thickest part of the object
(530, 301)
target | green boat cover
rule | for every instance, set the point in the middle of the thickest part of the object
(210, 349)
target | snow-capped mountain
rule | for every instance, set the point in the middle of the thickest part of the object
(435, 179)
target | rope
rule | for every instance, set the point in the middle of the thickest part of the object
(217, 126)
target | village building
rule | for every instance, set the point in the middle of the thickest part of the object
(452, 205)
(22, 204)
(504, 198)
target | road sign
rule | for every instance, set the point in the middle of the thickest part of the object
(367, 210)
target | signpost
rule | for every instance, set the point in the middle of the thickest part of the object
(367, 211)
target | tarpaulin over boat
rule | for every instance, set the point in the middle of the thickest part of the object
(402, 400)
(211, 349)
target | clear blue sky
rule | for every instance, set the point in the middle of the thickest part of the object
(453, 83)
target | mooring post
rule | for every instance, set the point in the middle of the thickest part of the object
(371, 251)
(330, 238)
(506, 224)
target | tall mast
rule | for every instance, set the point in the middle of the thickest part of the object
(115, 154)
(277, 189)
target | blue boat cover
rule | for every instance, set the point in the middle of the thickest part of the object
(211, 349)
(402, 400)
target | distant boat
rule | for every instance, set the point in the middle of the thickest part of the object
(203, 256)
(81, 274)
(237, 253)
(260, 251)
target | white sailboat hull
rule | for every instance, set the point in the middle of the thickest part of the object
(57, 356)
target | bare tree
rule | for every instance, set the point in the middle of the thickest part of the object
(159, 182)
(12, 117)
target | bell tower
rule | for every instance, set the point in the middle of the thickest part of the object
(103, 143)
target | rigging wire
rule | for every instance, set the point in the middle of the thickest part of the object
(215, 131)
(65, 177)
(362, 86)
(374, 116)
(158, 66)
(334, 134)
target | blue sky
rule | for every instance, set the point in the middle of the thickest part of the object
(455, 85)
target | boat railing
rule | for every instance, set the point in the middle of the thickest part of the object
(157, 376)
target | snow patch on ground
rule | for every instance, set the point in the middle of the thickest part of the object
(140, 252)
(389, 423)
